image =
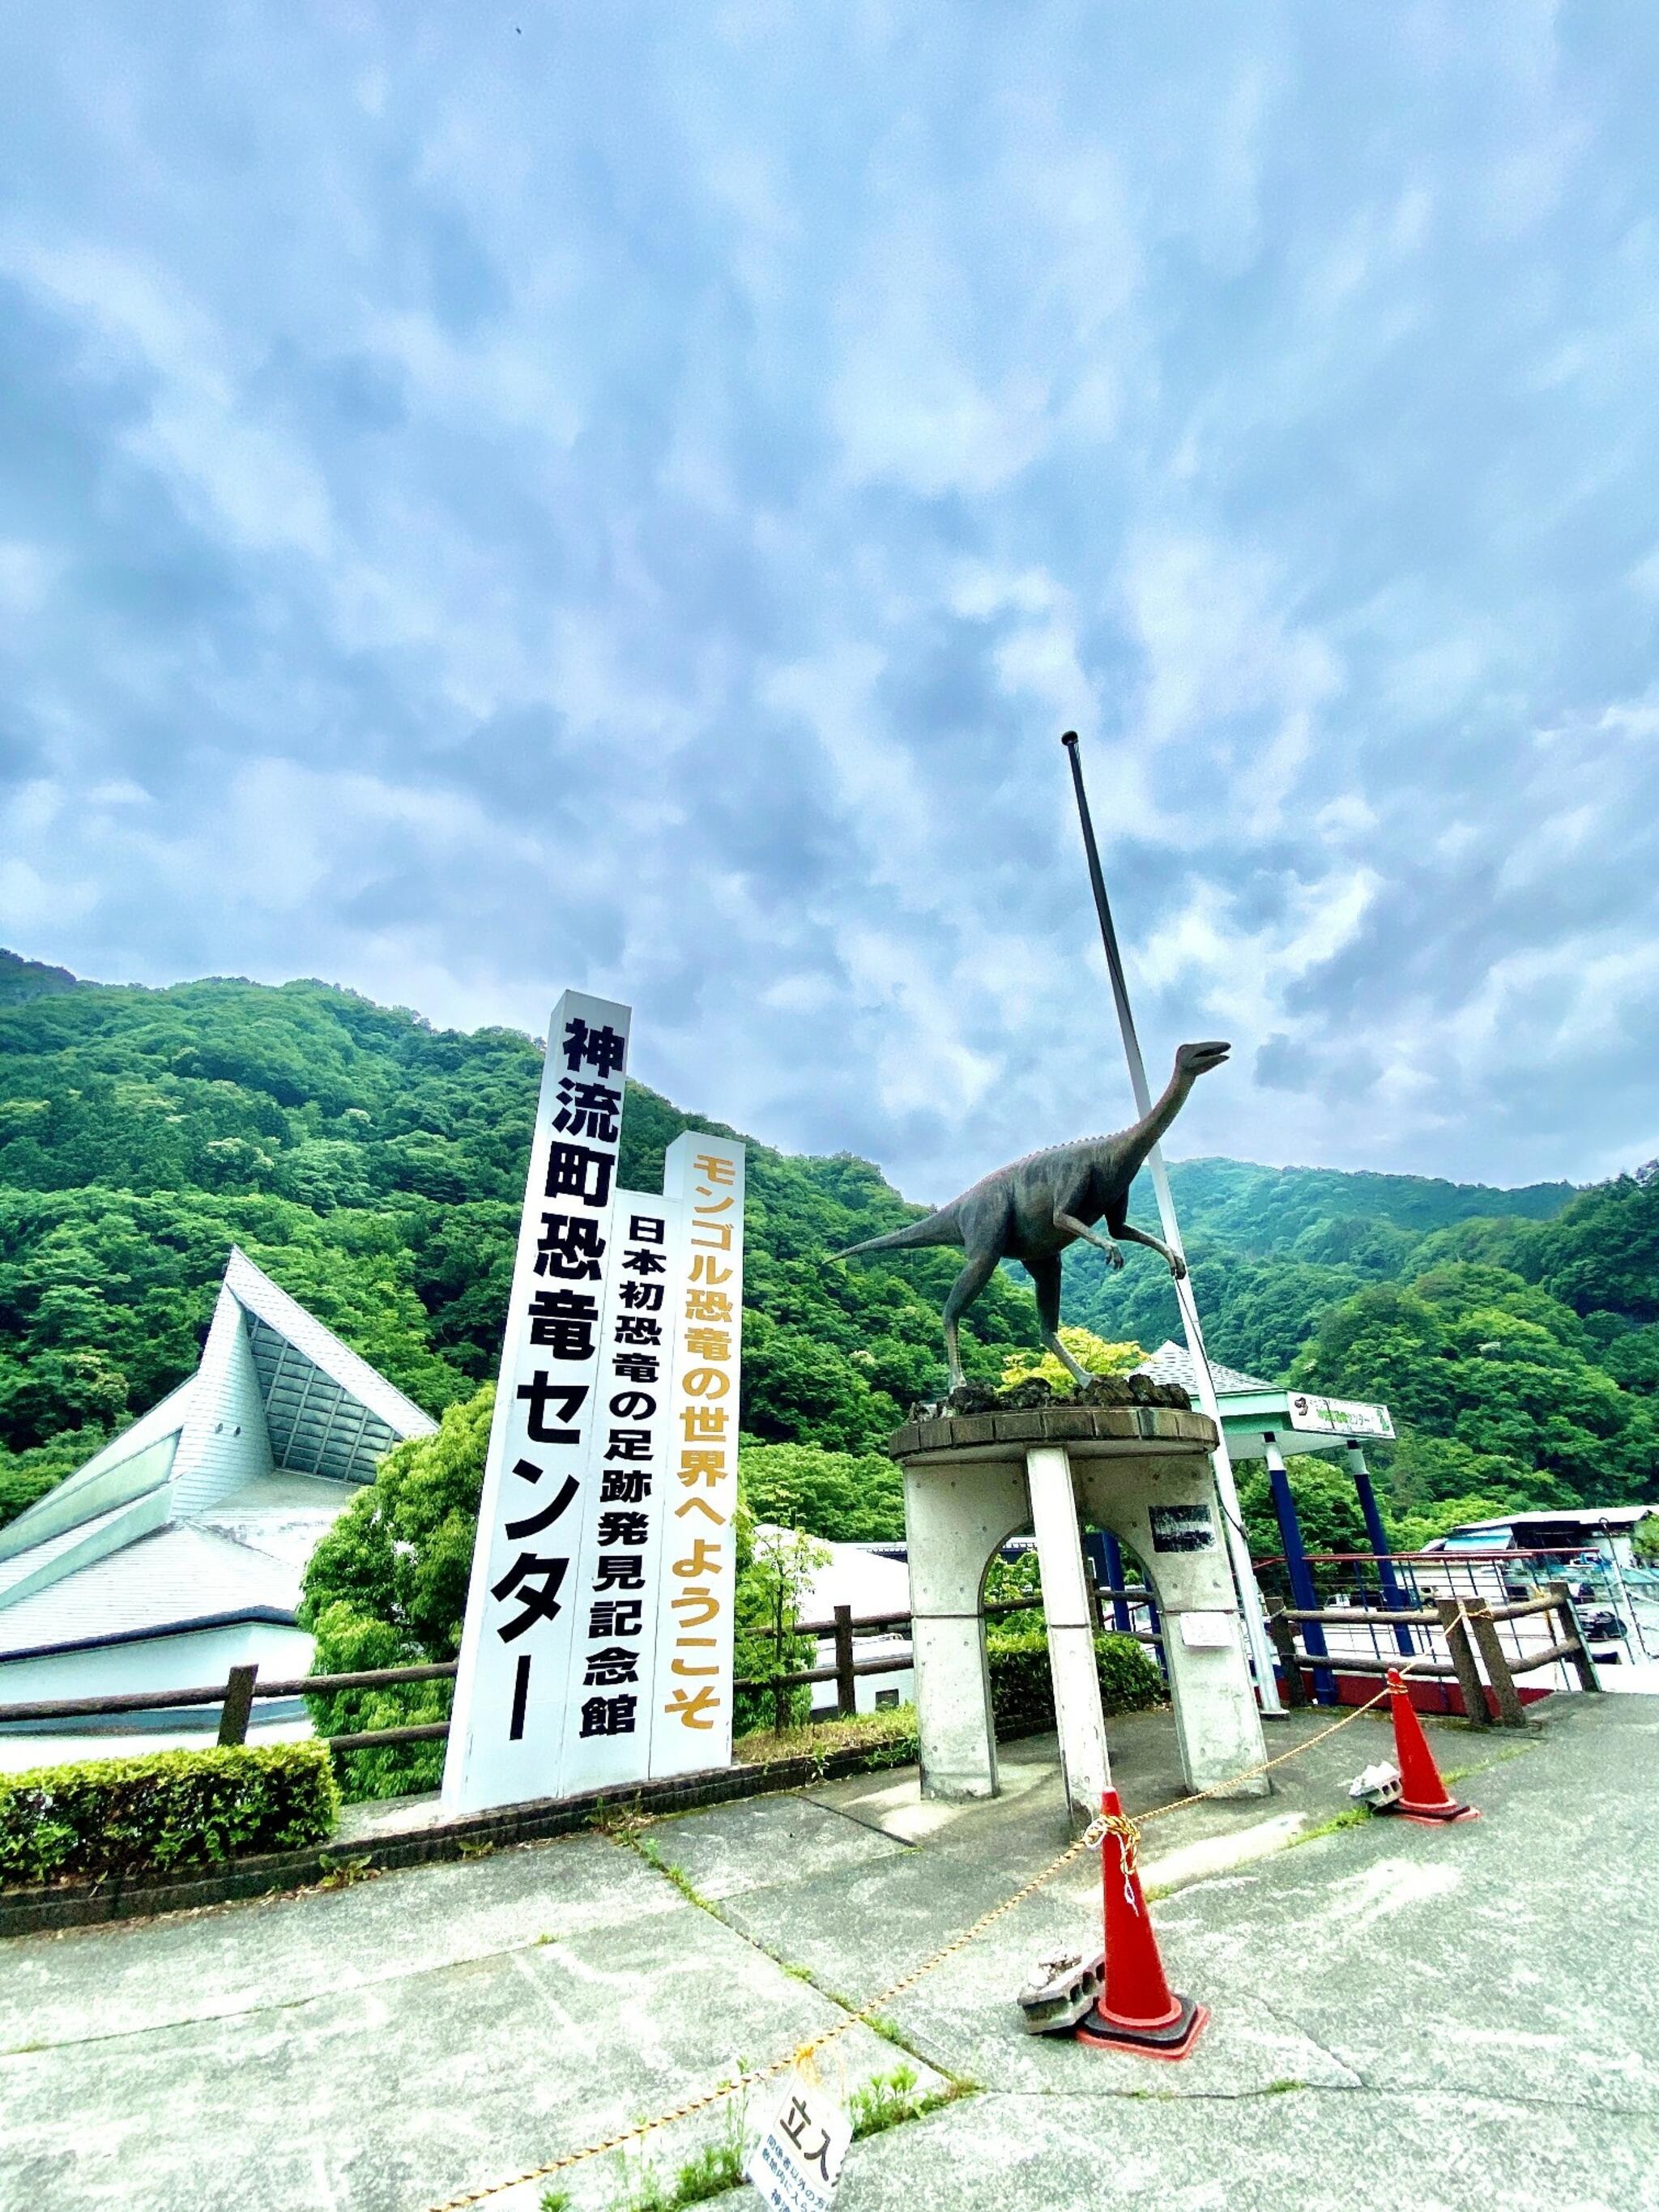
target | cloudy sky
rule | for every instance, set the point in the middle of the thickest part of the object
(494, 497)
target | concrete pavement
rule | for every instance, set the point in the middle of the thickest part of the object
(1403, 2017)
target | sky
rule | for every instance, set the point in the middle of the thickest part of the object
(498, 498)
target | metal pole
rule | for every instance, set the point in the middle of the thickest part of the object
(1300, 1574)
(1121, 1619)
(1393, 1596)
(1238, 1550)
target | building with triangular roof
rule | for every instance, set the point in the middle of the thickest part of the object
(177, 1550)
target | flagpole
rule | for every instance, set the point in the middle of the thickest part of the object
(1238, 1550)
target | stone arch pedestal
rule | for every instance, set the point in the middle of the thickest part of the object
(973, 1480)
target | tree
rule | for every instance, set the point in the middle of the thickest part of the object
(776, 1568)
(1089, 1351)
(1326, 1506)
(847, 1497)
(1491, 1385)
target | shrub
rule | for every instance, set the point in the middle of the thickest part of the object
(171, 1809)
(1022, 1692)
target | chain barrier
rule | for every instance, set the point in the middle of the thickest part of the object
(1102, 1825)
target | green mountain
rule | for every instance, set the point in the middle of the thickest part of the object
(375, 1166)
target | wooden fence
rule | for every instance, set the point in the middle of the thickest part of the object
(236, 1696)
(1469, 1628)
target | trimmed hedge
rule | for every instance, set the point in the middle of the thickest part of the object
(1022, 1689)
(169, 1809)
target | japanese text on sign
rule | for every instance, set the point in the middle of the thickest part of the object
(692, 1724)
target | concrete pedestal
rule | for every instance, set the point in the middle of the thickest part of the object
(973, 1480)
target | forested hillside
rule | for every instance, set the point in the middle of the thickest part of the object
(375, 1166)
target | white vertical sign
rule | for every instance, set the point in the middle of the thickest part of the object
(691, 1723)
(516, 1697)
(619, 1563)
(796, 2162)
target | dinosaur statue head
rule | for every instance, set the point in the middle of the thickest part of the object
(1196, 1060)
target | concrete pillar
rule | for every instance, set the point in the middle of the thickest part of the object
(955, 1518)
(1166, 1511)
(1142, 1472)
(1078, 1714)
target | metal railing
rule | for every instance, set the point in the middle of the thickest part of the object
(1467, 1626)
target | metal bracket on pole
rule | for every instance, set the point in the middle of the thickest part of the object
(1238, 1550)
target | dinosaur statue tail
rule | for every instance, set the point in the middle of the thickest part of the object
(940, 1227)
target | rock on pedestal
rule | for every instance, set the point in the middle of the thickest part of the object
(973, 1480)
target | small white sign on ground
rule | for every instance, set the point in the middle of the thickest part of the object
(796, 2163)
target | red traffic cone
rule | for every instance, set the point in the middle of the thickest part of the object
(1423, 1795)
(1136, 2010)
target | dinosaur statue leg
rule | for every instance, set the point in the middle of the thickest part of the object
(1073, 1227)
(981, 1266)
(1045, 1280)
(1178, 1265)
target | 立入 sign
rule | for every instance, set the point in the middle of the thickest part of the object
(597, 1646)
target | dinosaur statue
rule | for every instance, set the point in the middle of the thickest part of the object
(1033, 1209)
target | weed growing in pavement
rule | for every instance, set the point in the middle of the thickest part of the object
(1354, 1816)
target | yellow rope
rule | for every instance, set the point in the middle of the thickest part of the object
(1129, 1833)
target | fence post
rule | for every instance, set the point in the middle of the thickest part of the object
(846, 1688)
(234, 1712)
(1510, 1712)
(1584, 1660)
(1462, 1658)
(1283, 1632)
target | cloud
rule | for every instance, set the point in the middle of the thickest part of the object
(633, 504)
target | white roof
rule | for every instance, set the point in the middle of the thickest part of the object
(856, 1576)
(1577, 1517)
(210, 1504)
(287, 1320)
(1173, 1363)
(165, 1583)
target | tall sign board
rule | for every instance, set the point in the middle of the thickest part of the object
(576, 1666)
(692, 1727)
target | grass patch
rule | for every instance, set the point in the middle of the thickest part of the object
(1480, 1766)
(888, 1738)
(346, 1873)
(887, 2100)
(710, 2172)
(682, 1881)
(1353, 1816)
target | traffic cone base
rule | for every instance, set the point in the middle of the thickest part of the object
(1430, 1816)
(1136, 2010)
(1174, 2040)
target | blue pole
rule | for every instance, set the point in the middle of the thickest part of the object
(1393, 1596)
(1113, 1580)
(1296, 1567)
